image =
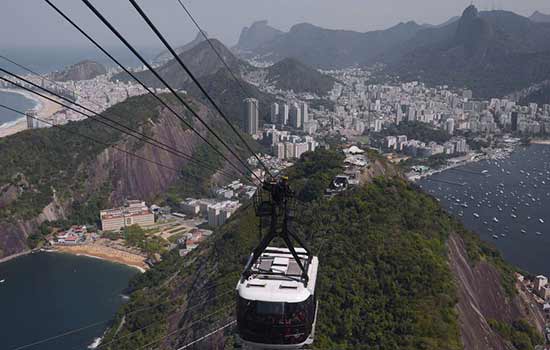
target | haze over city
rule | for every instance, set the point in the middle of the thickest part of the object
(313, 174)
(35, 25)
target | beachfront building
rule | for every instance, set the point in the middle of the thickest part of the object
(134, 212)
(72, 236)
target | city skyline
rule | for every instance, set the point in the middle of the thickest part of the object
(37, 25)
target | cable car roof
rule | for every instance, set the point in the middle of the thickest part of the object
(276, 278)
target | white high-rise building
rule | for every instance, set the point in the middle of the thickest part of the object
(275, 113)
(295, 117)
(450, 126)
(284, 115)
(251, 116)
(304, 112)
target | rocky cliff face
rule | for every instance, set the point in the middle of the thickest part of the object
(255, 35)
(482, 299)
(108, 173)
(84, 70)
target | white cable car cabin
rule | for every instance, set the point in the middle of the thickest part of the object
(277, 306)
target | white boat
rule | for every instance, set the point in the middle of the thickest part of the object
(2, 281)
(495, 236)
(541, 221)
(514, 216)
(495, 219)
(485, 171)
(523, 231)
(539, 233)
(476, 215)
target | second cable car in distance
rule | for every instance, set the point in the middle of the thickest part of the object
(276, 298)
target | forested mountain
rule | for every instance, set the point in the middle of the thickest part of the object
(327, 48)
(83, 70)
(201, 61)
(396, 272)
(493, 53)
(166, 56)
(291, 74)
(255, 35)
(49, 174)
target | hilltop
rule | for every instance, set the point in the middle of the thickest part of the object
(255, 35)
(84, 70)
(327, 48)
(540, 17)
(493, 53)
(51, 175)
(397, 272)
(291, 74)
(200, 60)
(166, 56)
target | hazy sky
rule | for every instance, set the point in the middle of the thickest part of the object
(27, 23)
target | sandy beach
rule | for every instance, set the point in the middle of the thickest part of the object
(107, 253)
(540, 142)
(45, 109)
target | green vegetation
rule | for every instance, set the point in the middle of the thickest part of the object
(384, 282)
(314, 173)
(417, 131)
(291, 74)
(44, 164)
(135, 236)
(434, 161)
(521, 334)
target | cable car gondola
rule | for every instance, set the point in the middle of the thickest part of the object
(276, 300)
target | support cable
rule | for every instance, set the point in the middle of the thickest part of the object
(90, 138)
(154, 323)
(208, 335)
(203, 33)
(94, 116)
(187, 327)
(163, 81)
(196, 81)
(127, 71)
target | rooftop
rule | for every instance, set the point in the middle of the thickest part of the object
(286, 285)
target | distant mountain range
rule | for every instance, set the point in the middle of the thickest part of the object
(207, 67)
(494, 52)
(83, 70)
(255, 35)
(540, 17)
(327, 48)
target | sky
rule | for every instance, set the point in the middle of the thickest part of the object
(32, 23)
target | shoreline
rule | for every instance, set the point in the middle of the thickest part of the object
(105, 253)
(15, 256)
(45, 109)
(540, 142)
(79, 252)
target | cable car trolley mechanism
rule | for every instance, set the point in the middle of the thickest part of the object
(276, 301)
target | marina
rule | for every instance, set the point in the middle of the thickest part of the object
(505, 201)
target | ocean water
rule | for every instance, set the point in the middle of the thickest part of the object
(45, 60)
(46, 294)
(16, 101)
(511, 198)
